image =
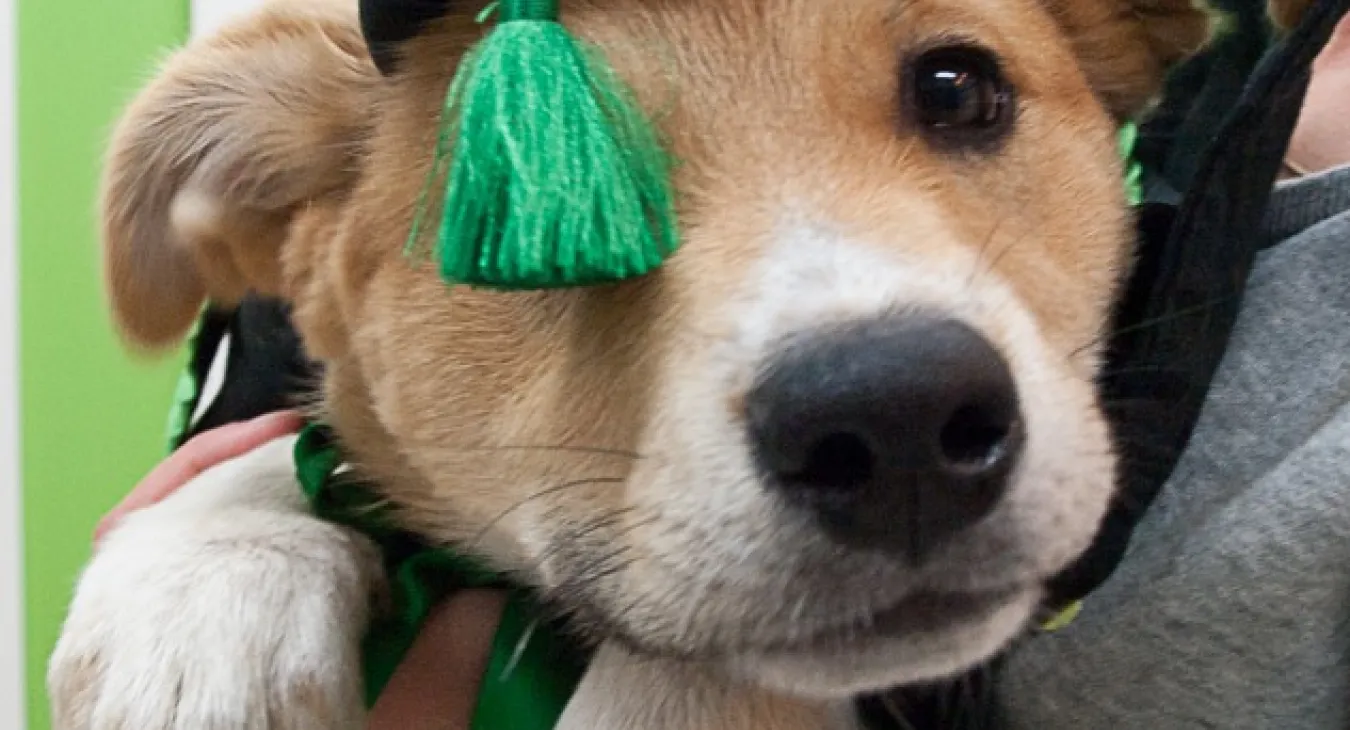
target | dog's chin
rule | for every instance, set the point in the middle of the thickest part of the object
(923, 639)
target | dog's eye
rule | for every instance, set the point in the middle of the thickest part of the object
(959, 94)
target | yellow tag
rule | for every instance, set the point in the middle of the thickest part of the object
(1063, 618)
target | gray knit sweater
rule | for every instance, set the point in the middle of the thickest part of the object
(1232, 608)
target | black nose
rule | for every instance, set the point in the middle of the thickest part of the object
(897, 433)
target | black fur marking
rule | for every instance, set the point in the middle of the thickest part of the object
(388, 24)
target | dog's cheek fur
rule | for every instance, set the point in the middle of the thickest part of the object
(1286, 14)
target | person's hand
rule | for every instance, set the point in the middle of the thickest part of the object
(437, 685)
(196, 456)
(1320, 140)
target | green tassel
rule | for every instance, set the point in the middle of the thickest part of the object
(557, 178)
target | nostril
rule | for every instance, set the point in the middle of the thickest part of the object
(975, 439)
(838, 461)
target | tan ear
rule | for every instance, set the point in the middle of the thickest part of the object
(1287, 13)
(1126, 47)
(211, 161)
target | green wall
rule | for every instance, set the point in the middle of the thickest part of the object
(92, 417)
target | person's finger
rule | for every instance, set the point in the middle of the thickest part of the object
(209, 449)
(436, 685)
(196, 456)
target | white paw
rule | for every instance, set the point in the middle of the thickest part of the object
(226, 607)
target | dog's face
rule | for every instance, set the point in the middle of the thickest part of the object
(839, 442)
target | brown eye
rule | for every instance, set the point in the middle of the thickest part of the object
(959, 93)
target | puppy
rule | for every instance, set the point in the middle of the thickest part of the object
(837, 444)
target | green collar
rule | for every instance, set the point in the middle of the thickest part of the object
(533, 669)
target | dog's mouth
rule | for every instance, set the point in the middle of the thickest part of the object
(921, 638)
(923, 613)
(928, 613)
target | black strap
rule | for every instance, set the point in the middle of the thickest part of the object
(1199, 95)
(266, 369)
(1173, 324)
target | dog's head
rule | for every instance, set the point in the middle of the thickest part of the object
(837, 443)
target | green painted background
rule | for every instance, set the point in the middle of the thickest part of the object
(92, 417)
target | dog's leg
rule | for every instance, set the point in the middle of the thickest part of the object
(621, 691)
(225, 607)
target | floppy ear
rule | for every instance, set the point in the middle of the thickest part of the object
(214, 158)
(1287, 13)
(1126, 47)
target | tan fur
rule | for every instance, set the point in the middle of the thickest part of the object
(273, 157)
(214, 158)
(1286, 14)
(1126, 46)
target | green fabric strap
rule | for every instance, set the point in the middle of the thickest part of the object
(531, 675)
(185, 395)
(533, 670)
(1134, 171)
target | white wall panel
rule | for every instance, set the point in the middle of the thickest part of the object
(209, 14)
(12, 700)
